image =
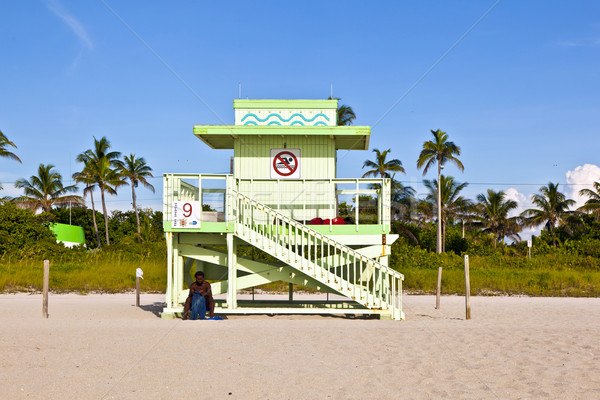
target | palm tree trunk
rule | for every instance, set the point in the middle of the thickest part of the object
(444, 236)
(94, 219)
(438, 248)
(105, 216)
(439, 234)
(553, 236)
(137, 215)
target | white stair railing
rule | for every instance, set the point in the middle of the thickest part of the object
(340, 267)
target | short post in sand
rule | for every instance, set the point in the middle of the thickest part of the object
(467, 288)
(45, 289)
(138, 274)
(439, 289)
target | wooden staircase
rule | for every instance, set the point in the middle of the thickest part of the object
(336, 266)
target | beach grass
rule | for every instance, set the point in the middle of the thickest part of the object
(113, 271)
(110, 272)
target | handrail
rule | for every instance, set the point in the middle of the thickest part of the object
(321, 236)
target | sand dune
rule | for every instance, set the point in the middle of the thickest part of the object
(101, 347)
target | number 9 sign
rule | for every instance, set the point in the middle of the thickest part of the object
(186, 214)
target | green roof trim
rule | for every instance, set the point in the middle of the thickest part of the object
(285, 104)
(223, 136)
(68, 233)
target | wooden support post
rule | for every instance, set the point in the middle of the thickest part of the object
(439, 289)
(467, 288)
(291, 292)
(45, 288)
(137, 291)
(169, 296)
(231, 271)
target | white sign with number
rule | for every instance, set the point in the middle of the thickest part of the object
(186, 214)
(529, 243)
(285, 163)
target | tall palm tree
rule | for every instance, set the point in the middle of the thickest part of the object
(592, 205)
(85, 176)
(452, 204)
(46, 189)
(552, 209)
(136, 170)
(103, 165)
(491, 213)
(439, 151)
(381, 166)
(4, 143)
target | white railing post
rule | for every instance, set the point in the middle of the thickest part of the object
(356, 210)
(200, 198)
(331, 212)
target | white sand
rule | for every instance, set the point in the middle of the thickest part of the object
(102, 347)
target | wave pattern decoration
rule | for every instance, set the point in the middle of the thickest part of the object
(295, 115)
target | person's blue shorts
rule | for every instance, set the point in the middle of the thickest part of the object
(198, 310)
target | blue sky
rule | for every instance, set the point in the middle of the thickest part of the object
(518, 94)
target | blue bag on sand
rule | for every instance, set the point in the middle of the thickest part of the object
(198, 310)
(216, 318)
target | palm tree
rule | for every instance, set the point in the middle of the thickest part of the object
(4, 142)
(45, 190)
(425, 212)
(439, 151)
(400, 194)
(403, 199)
(136, 170)
(491, 212)
(592, 205)
(86, 177)
(552, 209)
(453, 206)
(103, 166)
(345, 114)
(382, 167)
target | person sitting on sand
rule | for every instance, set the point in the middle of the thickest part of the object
(200, 299)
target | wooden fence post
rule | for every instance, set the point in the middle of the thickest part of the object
(137, 291)
(467, 288)
(45, 289)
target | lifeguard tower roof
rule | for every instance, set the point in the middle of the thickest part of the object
(268, 118)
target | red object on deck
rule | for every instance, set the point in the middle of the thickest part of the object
(338, 221)
(316, 221)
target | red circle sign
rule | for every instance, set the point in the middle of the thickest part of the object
(285, 163)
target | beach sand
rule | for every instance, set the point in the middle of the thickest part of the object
(102, 347)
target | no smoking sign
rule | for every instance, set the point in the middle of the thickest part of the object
(285, 163)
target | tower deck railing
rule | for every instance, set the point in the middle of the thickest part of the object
(361, 205)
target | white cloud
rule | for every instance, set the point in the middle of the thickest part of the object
(582, 177)
(72, 22)
(522, 200)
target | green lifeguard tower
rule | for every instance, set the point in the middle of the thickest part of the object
(283, 198)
